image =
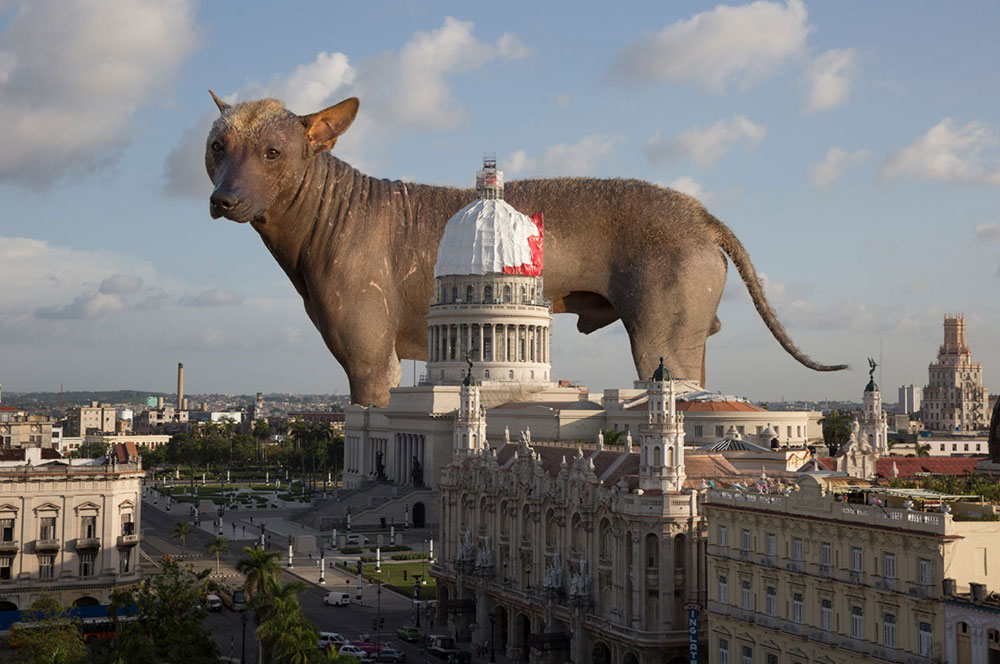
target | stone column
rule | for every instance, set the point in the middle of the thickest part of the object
(479, 355)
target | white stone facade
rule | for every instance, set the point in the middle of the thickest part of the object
(68, 528)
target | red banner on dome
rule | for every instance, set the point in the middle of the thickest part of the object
(536, 244)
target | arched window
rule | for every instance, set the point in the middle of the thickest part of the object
(506, 293)
(486, 375)
(511, 374)
(652, 550)
(488, 294)
(454, 293)
(468, 293)
(524, 294)
(670, 456)
(656, 456)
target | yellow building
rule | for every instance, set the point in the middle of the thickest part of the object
(838, 571)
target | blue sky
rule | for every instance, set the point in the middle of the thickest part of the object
(854, 148)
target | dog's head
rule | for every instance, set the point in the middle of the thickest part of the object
(257, 151)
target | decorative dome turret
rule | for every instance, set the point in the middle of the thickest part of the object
(488, 303)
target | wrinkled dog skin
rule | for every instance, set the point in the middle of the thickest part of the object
(360, 250)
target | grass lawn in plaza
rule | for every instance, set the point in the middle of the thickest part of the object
(392, 577)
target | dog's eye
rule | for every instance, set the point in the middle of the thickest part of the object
(216, 146)
(272, 154)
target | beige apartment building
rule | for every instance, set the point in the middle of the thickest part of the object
(69, 528)
(20, 429)
(838, 571)
(97, 416)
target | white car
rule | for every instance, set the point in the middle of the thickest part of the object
(354, 651)
(336, 598)
(330, 639)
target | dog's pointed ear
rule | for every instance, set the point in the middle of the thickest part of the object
(223, 106)
(323, 128)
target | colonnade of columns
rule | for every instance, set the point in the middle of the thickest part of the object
(408, 446)
(488, 343)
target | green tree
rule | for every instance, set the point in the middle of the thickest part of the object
(836, 429)
(151, 458)
(260, 569)
(217, 547)
(262, 433)
(90, 450)
(244, 449)
(922, 449)
(613, 437)
(284, 631)
(54, 637)
(181, 530)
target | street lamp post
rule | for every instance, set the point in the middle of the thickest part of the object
(243, 655)
(322, 564)
(378, 618)
(416, 597)
(493, 636)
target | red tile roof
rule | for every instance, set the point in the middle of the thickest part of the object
(718, 407)
(909, 466)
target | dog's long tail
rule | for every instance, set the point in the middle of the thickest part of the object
(741, 259)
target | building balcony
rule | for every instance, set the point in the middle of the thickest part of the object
(789, 627)
(851, 576)
(921, 591)
(767, 561)
(718, 551)
(743, 555)
(9, 546)
(821, 636)
(794, 566)
(884, 653)
(85, 543)
(718, 608)
(854, 645)
(884, 583)
(746, 615)
(652, 576)
(765, 620)
(129, 540)
(46, 544)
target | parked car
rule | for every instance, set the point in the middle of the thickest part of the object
(390, 654)
(354, 651)
(356, 540)
(408, 633)
(213, 602)
(233, 598)
(336, 598)
(331, 639)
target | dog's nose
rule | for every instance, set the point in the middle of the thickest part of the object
(224, 200)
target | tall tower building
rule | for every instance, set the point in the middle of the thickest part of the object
(488, 305)
(955, 399)
(661, 452)
(470, 420)
(874, 423)
(910, 399)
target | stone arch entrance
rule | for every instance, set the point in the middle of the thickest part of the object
(501, 626)
(523, 626)
(419, 515)
(8, 606)
(630, 658)
(600, 653)
(86, 600)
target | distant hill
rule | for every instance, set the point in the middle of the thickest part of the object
(30, 399)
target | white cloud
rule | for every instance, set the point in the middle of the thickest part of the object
(949, 153)
(399, 91)
(988, 232)
(705, 145)
(830, 76)
(121, 284)
(72, 75)
(688, 185)
(834, 165)
(153, 302)
(213, 297)
(564, 159)
(725, 45)
(86, 306)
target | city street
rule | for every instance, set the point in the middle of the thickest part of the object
(352, 621)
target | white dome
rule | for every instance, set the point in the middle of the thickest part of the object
(490, 237)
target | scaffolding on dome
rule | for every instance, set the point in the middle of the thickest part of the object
(489, 181)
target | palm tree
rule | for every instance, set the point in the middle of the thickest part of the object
(285, 631)
(614, 437)
(922, 450)
(217, 547)
(181, 531)
(121, 598)
(260, 568)
(836, 429)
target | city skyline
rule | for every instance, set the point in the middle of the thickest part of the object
(851, 149)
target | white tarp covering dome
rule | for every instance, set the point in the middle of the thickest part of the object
(490, 237)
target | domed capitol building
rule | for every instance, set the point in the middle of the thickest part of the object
(556, 543)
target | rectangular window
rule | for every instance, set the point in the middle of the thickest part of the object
(722, 537)
(772, 544)
(698, 429)
(723, 590)
(857, 622)
(856, 559)
(6, 566)
(925, 572)
(889, 565)
(772, 658)
(747, 655)
(88, 527)
(124, 558)
(740, 428)
(719, 433)
(771, 601)
(826, 615)
(6, 530)
(889, 630)
(86, 563)
(797, 549)
(723, 651)
(745, 540)
(47, 531)
(797, 608)
(46, 565)
(746, 596)
(924, 639)
(825, 554)
(128, 526)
